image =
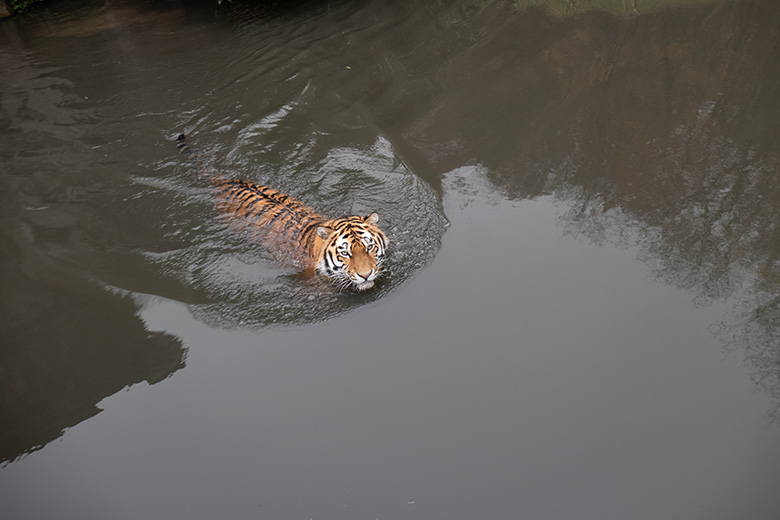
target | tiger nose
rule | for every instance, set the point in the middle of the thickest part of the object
(366, 275)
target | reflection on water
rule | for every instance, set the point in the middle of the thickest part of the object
(657, 129)
(653, 130)
(96, 201)
(621, 7)
(66, 341)
(62, 355)
(238, 278)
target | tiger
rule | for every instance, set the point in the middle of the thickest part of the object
(348, 252)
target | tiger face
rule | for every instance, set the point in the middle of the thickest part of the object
(353, 251)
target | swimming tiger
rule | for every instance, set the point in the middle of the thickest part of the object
(347, 251)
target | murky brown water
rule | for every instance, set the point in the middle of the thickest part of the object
(582, 309)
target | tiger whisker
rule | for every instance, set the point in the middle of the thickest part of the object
(341, 250)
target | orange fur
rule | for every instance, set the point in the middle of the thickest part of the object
(348, 250)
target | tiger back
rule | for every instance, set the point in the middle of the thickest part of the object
(348, 251)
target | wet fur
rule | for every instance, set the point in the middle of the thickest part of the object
(347, 251)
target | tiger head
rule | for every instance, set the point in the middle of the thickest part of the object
(353, 251)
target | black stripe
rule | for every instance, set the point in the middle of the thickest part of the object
(309, 236)
(290, 226)
(276, 213)
(248, 203)
(237, 189)
(329, 256)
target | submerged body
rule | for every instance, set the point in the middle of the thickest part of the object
(348, 251)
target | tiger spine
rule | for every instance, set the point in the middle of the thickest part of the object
(265, 209)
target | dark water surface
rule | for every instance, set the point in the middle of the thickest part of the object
(582, 313)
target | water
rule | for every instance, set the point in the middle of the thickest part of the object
(581, 312)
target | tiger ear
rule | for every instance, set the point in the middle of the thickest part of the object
(373, 218)
(324, 232)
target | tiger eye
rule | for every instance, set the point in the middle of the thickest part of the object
(283, 217)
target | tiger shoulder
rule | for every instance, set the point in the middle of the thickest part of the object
(349, 251)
